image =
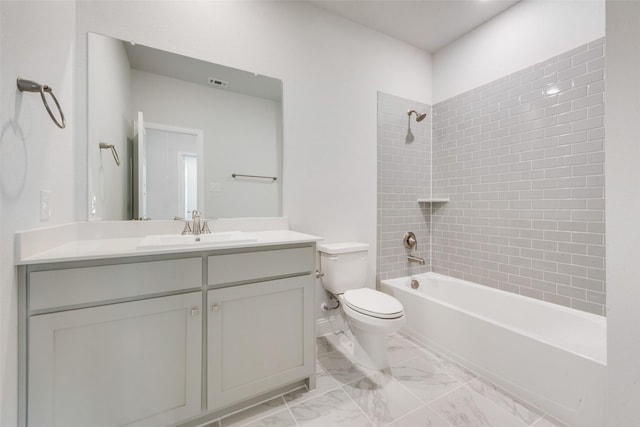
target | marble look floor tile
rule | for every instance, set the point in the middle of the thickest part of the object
(465, 408)
(422, 389)
(423, 417)
(334, 408)
(254, 412)
(324, 383)
(525, 412)
(323, 345)
(423, 378)
(343, 369)
(341, 341)
(279, 419)
(400, 349)
(452, 368)
(382, 398)
(548, 421)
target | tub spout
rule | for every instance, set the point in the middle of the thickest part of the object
(416, 259)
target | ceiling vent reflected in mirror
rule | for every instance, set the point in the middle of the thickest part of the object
(217, 82)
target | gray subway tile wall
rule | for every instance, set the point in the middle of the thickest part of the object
(404, 175)
(522, 161)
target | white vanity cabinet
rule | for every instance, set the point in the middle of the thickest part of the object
(260, 334)
(119, 354)
(171, 339)
(134, 364)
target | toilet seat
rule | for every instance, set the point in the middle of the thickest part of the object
(373, 303)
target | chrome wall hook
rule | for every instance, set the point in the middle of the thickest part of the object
(105, 146)
(31, 86)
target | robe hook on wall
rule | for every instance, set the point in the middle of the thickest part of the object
(31, 86)
(105, 146)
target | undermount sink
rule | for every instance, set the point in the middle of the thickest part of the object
(211, 239)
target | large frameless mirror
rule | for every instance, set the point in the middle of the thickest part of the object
(188, 134)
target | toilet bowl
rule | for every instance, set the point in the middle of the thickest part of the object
(371, 314)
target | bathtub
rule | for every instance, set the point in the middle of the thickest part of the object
(551, 356)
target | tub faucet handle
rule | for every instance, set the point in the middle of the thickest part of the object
(410, 240)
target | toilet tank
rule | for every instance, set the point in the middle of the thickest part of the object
(344, 266)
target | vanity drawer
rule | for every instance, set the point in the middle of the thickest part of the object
(245, 267)
(84, 285)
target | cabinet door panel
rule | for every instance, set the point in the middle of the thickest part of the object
(258, 338)
(135, 364)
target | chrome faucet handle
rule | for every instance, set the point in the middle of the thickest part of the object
(187, 228)
(205, 226)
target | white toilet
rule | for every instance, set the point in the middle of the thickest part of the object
(371, 314)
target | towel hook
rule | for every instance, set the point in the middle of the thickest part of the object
(31, 86)
(105, 146)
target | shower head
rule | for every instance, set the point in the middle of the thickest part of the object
(419, 116)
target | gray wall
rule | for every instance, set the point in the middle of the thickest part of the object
(525, 173)
(404, 175)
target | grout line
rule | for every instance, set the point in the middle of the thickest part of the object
(460, 385)
(440, 416)
(291, 412)
(407, 414)
(431, 191)
(494, 404)
(355, 403)
(537, 420)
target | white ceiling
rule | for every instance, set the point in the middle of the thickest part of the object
(193, 70)
(427, 24)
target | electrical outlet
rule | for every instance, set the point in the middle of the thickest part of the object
(45, 206)
(214, 186)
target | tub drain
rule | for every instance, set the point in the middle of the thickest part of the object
(414, 284)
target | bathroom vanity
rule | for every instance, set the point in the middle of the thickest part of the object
(115, 333)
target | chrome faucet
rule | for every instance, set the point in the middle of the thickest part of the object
(195, 215)
(200, 225)
(416, 259)
(410, 242)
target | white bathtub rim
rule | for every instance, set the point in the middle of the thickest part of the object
(597, 357)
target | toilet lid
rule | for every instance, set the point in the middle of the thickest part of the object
(373, 303)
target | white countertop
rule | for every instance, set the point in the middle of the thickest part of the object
(71, 242)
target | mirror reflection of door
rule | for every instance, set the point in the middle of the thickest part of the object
(172, 172)
(188, 170)
(140, 169)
